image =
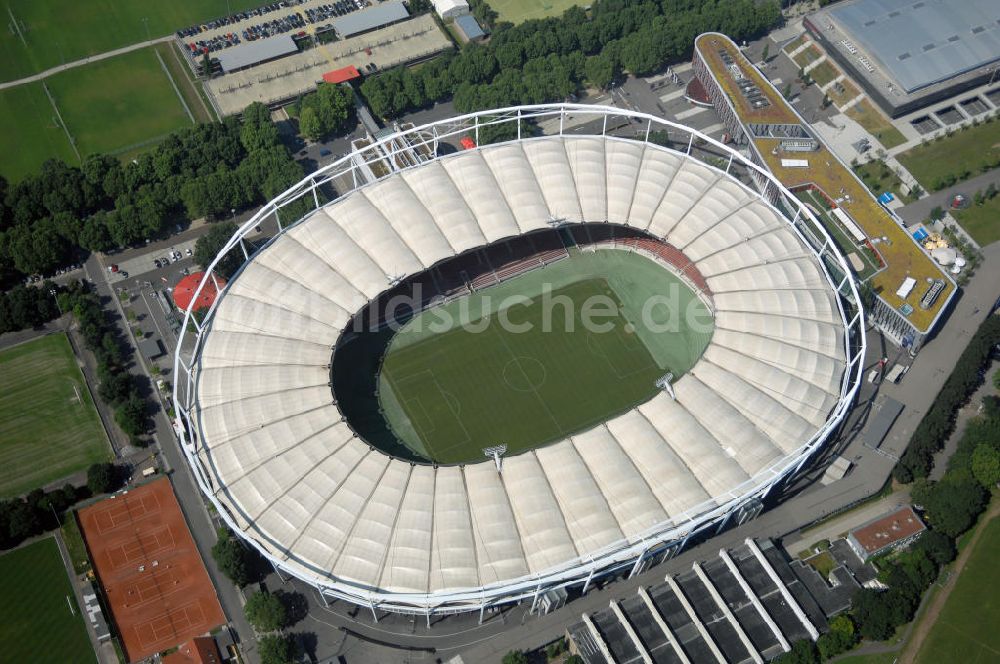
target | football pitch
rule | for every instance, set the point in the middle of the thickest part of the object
(42, 35)
(49, 427)
(518, 364)
(107, 106)
(39, 617)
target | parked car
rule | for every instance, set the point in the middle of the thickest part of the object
(112, 268)
(189, 252)
(324, 153)
(156, 263)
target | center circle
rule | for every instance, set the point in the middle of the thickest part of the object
(524, 374)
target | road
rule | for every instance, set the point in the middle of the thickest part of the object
(920, 210)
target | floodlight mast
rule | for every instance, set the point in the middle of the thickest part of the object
(496, 452)
(664, 384)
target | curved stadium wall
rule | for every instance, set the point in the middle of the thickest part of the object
(270, 449)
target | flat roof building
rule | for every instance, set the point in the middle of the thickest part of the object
(366, 20)
(251, 54)
(891, 531)
(450, 8)
(908, 54)
(469, 28)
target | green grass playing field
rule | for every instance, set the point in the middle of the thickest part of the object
(449, 394)
(107, 106)
(36, 623)
(49, 427)
(31, 132)
(519, 11)
(115, 103)
(58, 31)
(968, 622)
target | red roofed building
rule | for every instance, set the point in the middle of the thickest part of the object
(892, 531)
(348, 73)
(185, 289)
(199, 650)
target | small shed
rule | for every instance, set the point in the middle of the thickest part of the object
(468, 28)
(151, 349)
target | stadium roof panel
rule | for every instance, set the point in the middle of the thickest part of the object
(324, 504)
(924, 42)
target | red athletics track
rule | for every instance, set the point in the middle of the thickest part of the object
(152, 574)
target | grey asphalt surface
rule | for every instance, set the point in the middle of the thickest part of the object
(920, 210)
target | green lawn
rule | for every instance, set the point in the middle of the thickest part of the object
(31, 132)
(823, 73)
(968, 622)
(115, 103)
(876, 124)
(962, 153)
(449, 393)
(49, 427)
(878, 177)
(519, 11)
(75, 546)
(58, 31)
(37, 623)
(881, 658)
(982, 222)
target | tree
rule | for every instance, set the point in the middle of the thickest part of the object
(767, 51)
(241, 564)
(211, 243)
(875, 613)
(309, 124)
(986, 464)
(803, 652)
(131, 415)
(841, 637)
(574, 659)
(257, 131)
(266, 612)
(515, 657)
(939, 547)
(102, 478)
(601, 70)
(275, 649)
(952, 504)
(787, 91)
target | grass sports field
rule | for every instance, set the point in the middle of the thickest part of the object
(56, 31)
(118, 102)
(31, 132)
(450, 393)
(36, 621)
(107, 106)
(968, 622)
(49, 427)
(519, 11)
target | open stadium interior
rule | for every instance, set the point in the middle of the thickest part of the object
(519, 362)
(302, 480)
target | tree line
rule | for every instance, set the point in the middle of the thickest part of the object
(547, 59)
(324, 112)
(49, 219)
(40, 511)
(27, 306)
(116, 386)
(939, 422)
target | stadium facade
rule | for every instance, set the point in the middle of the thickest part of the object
(271, 450)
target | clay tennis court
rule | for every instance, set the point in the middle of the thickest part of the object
(149, 566)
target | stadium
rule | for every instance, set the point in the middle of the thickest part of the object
(412, 469)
